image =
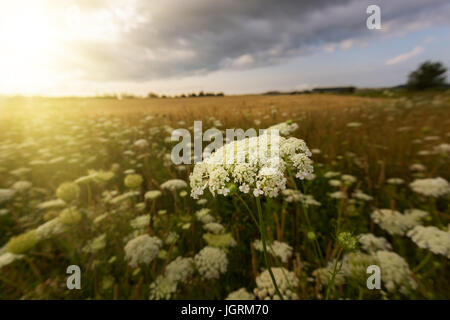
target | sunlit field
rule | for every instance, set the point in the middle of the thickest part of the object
(90, 182)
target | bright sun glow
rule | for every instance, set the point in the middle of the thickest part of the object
(28, 42)
(37, 40)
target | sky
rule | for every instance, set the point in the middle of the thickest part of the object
(94, 47)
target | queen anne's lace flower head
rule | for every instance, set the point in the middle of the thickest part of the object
(255, 164)
(355, 264)
(371, 243)
(276, 248)
(140, 222)
(395, 272)
(180, 269)
(307, 200)
(431, 238)
(325, 274)
(358, 194)
(22, 186)
(203, 216)
(142, 249)
(431, 187)
(240, 294)
(396, 223)
(211, 262)
(162, 288)
(141, 144)
(50, 228)
(284, 128)
(152, 194)
(6, 194)
(213, 227)
(174, 184)
(96, 244)
(286, 281)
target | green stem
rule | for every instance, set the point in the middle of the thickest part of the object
(248, 209)
(317, 250)
(333, 276)
(339, 217)
(424, 262)
(434, 212)
(263, 239)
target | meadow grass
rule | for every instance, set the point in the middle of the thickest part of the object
(362, 143)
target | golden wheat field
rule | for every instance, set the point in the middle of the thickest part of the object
(90, 183)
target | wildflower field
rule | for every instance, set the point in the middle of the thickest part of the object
(90, 182)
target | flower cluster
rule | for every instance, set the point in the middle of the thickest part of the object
(162, 288)
(240, 294)
(180, 269)
(396, 223)
(174, 184)
(142, 249)
(284, 128)
(286, 282)
(371, 243)
(395, 274)
(276, 248)
(211, 262)
(431, 187)
(255, 164)
(431, 238)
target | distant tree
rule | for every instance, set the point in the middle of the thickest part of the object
(428, 75)
(201, 94)
(152, 95)
(219, 94)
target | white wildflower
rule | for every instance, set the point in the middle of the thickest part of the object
(284, 128)
(140, 222)
(395, 272)
(431, 238)
(255, 164)
(174, 184)
(211, 262)
(431, 187)
(6, 194)
(396, 223)
(395, 181)
(96, 244)
(180, 269)
(240, 294)
(152, 194)
(162, 288)
(276, 248)
(142, 249)
(371, 243)
(358, 194)
(286, 282)
(213, 227)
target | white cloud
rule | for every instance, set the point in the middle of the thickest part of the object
(243, 61)
(405, 56)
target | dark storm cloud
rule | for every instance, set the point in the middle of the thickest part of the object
(185, 37)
